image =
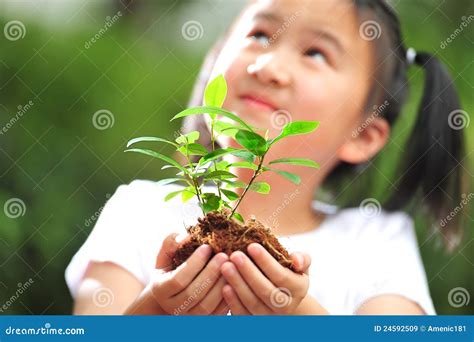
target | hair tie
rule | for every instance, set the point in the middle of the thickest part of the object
(410, 56)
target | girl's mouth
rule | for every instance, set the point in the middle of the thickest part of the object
(254, 102)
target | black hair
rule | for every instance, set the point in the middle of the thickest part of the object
(431, 170)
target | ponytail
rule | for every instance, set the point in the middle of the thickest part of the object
(431, 170)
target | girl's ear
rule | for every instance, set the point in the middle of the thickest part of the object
(366, 143)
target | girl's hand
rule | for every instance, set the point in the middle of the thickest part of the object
(194, 288)
(273, 290)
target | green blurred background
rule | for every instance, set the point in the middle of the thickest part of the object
(139, 72)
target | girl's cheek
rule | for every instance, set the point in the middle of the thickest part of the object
(235, 74)
(311, 101)
(232, 76)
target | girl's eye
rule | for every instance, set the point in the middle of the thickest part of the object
(260, 37)
(317, 55)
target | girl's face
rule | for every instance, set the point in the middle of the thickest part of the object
(299, 60)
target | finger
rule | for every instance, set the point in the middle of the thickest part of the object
(277, 274)
(256, 280)
(194, 293)
(301, 261)
(168, 249)
(233, 301)
(248, 298)
(222, 309)
(180, 278)
(210, 301)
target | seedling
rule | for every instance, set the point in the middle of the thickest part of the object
(207, 167)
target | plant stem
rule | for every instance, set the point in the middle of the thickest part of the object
(196, 186)
(198, 191)
(255, 174)
(215, 166)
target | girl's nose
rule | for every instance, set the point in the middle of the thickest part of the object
(268, 69)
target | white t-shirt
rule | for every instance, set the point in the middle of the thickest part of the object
(354, 257)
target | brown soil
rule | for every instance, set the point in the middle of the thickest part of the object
(229, 235)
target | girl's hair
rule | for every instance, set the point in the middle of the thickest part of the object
(431, 169)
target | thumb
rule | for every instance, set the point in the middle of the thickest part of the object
(301, 261)
(168, 249)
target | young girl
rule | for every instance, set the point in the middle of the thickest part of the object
(303, 60)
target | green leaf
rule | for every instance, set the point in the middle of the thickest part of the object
(217, 154)
(220, 174)
(188, 138)
(238, 217)
(235, 184)
(222, 165)
(140, 139)
(245, 155)
(181, 173)
(252, 141)
(232, 196)
(296, 161)
(227, 128)
(288, 175)
(244, 164)
(260, 187)
(211, 110)
(193, 149)
(187, 194)
(211, 203)
(215, 93)
(159, 156)
(166, 181)
(295, 128)
(172, 195)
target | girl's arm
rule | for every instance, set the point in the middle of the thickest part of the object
(390, 305)
(380, 305)
(107, 289)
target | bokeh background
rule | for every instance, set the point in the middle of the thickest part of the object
(69, 104)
